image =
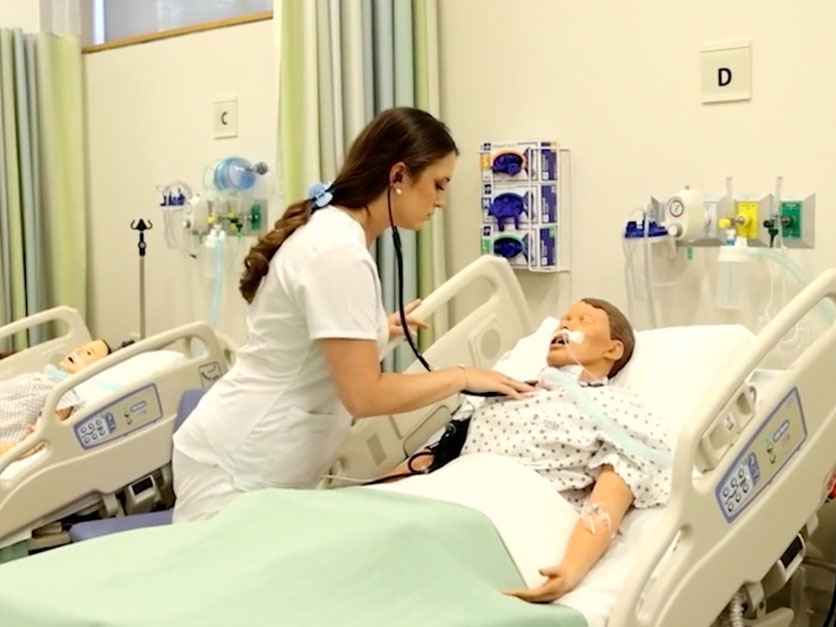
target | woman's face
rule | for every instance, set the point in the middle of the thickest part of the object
(421, 195)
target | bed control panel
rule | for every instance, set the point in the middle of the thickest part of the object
(129, 413)
(764, 456)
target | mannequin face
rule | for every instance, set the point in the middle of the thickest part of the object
(597, 352)
(84, 355)
(421, 195)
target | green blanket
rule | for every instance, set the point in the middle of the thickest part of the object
(284, 558)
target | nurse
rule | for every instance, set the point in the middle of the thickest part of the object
(316, 325)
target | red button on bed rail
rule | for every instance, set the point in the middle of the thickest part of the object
(831, 486)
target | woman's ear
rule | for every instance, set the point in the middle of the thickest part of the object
(397, 173)
(615, 351)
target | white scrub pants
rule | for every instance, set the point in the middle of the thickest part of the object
(201, 490)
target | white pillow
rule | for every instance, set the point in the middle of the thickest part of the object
(528, 357)
(671, 369)
(125, 373)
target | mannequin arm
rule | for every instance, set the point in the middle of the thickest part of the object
(590, 539)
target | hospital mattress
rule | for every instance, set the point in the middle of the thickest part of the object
(282, 557)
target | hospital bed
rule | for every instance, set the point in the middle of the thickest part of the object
(734, 420)
(70, 332)
(696, 554)
(112, 456)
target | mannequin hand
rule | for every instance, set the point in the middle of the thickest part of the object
(395, 328)
(559, 581)
(493, 381)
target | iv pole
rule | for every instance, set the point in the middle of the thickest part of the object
(141, 226)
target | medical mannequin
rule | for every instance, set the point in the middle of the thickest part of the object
(316, 327)
(22, 397)
(546, 430)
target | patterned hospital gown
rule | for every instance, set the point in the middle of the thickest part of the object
(21, 400)
(547, 431)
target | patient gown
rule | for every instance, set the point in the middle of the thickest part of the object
(547, 431)
(21, 399)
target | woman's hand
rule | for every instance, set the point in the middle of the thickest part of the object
(559, 581)
(395, 327)
(493, 381)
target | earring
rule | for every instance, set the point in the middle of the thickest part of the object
(398, 191)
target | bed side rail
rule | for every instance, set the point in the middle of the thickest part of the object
(375, 445)
(717, 552)
(35, 357)
(59, 436)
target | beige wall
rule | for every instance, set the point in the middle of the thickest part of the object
(618, 84)
(25, 14)
(149, 121)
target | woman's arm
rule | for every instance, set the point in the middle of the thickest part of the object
(366, 391)
(610, 499)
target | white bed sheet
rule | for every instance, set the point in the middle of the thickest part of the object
(535, 523)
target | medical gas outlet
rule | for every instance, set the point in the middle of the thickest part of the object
(691, 219)
(230, 202)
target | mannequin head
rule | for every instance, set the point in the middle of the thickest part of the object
(607, 344)
(84, 355)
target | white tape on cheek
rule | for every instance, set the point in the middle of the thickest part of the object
(596, 519)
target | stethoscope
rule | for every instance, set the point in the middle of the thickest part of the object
(396, 240)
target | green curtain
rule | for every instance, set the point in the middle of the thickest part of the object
(14, 268)
(42, 213)
(341, 63)
(298, 94)
(432, 268)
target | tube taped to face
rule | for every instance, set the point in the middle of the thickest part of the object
(55, 373)
(576, 337)
(552, 378)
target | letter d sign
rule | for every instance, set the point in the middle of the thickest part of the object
(725, 72)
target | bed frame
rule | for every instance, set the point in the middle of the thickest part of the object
(71, 332)
(702, 555)
(377, 445)
(708, 548)
(125, 473)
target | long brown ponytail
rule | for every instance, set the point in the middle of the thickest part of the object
(402, 134)
(258, 259)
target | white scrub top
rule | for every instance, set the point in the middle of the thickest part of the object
(275, 420)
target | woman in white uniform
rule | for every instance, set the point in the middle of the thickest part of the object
(316, 325)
